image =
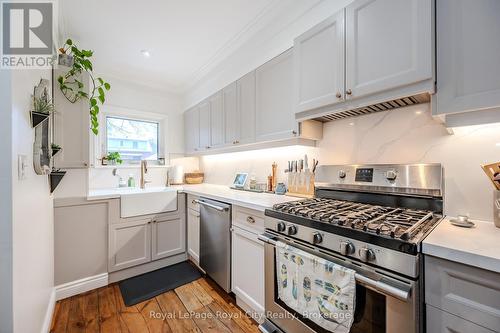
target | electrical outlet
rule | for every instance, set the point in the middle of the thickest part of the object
(22, 166)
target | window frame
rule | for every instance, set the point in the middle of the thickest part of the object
(101, 144)
(125, 161)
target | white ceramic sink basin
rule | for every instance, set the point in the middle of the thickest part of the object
(137, 202)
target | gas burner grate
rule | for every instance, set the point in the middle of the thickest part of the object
(401, 223)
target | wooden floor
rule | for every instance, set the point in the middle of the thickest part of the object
(199, 306)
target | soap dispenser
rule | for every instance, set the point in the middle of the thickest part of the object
(131, 180)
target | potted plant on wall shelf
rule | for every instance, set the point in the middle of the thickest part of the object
(112, 158)
(42, 109)
(55, 148)
(72, 87)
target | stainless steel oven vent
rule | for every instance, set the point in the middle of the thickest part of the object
(379, 107)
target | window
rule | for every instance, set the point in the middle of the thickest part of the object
(135, 140)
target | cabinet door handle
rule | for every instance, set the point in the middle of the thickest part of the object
(194, 202)
(250, 219)
(349, 92)
(294, 132)
(338, 95)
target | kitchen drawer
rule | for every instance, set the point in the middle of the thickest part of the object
(191, 204)
(468, 292)
(439, 321)
(248, 219)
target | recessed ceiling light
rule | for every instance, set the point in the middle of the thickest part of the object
(146, 53)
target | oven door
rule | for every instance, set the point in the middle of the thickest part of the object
(385, 303)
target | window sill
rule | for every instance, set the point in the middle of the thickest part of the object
(129, 166)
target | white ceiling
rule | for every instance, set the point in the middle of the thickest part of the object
(185, 37)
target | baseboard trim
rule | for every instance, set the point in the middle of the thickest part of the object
(249, 301)
(47, 321)
(80, 286)
(145, 268)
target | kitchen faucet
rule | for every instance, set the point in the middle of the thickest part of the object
(144, 171)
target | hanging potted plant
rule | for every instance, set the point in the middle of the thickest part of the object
(55, 148)
(73, 89)
(42, 108)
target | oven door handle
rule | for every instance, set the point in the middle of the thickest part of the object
(384, 288)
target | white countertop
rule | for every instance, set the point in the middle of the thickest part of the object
(252, 200)
(478, 246)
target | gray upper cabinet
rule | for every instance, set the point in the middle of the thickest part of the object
(319, 65)
(216, 120)
(246, 107)
(274, 103)
(468, 62)
(205, 129)
(71, 128)
(388, 45)
(231, 114)
(192, 130)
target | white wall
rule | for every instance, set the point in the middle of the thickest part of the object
(33, 222)
(5, 204)
(407, 135)
(131, 97)
(270, 36)
(140, 97)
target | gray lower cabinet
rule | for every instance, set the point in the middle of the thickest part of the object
(129, 244)
(169, 237)
(439, 321)
(469, 293)
(140, 240)
(81, 238)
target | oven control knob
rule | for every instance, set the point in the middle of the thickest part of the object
(317, 238)
(281, 227)
(342, 174)
(391, 175)
(346, 248)
(366, 254)
(292, 230)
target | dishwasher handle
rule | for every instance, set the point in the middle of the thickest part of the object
(220, 209)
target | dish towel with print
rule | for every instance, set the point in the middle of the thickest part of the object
(318, 289)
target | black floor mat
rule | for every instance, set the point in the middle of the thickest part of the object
(143, 287)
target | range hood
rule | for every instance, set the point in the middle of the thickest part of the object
(373, 108)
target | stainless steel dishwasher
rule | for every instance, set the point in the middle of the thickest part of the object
(215, 241)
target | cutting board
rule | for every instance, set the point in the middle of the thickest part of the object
(493, 173)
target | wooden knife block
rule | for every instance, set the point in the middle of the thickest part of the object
(301, 184)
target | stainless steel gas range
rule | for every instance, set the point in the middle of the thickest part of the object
(372, 219)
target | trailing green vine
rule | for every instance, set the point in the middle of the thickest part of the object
(73, 89)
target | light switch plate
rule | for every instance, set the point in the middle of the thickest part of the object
(22, 166)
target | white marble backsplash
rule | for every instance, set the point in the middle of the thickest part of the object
(407, 135)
